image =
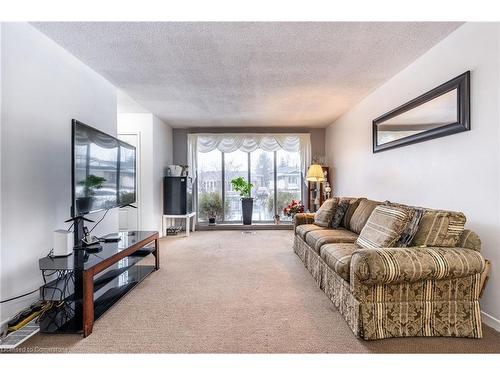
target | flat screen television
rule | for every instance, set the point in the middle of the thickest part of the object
(103, 171)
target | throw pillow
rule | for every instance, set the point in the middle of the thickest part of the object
(384, 227)
(325, 213)
(339, 213)
(411, 229)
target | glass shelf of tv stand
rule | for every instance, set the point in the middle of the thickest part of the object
(110, 284)
(49, 292)
(83, 260)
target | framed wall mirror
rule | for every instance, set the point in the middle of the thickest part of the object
(442, 111)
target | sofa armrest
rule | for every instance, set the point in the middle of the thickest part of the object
(408, 265)
(303, 218)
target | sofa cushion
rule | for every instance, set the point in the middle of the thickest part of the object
(439, 228)
(353, 204)
(318, 238)
(324, 215)
(384, 227)
(361, 215)
(303, 229)
(338, 257)
(340, 212)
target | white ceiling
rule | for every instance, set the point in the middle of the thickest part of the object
(199, 74)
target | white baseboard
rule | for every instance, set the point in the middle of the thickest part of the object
(491, 321)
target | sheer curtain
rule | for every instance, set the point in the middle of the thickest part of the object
(229, 142)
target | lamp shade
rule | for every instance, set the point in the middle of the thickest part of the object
(315, 173)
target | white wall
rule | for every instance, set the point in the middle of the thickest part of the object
(163, 156)
(141, 124)
(155, 155)
(458, 172)
(1, 151)
(43, 88)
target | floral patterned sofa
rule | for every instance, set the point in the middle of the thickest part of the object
(394, 270)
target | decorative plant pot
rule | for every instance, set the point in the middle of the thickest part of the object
(247, 208)
(211, 221)
(83, 204)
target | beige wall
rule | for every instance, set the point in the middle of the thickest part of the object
(458, 172)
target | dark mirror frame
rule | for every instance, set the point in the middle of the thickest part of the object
(461, 83)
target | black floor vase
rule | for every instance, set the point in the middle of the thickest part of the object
(247, 208)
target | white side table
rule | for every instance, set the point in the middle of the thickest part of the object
(187, 217)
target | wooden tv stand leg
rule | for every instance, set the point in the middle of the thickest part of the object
(88, 303)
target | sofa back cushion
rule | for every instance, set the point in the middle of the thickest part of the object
(324, 215)
(469, 240)
(340, 212)
(439, 228)
(384, 227)
(361, 215)
(353, 204)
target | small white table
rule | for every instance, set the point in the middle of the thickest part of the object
(187, 217)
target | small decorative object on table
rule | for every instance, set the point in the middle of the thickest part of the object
(276, 219)
(328, 190)
(172, 231)
(293, 208)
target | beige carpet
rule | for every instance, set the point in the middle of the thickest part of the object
(230, 292)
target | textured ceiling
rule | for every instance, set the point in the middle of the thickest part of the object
(199, 74)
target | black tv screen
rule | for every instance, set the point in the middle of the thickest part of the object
(103, 170)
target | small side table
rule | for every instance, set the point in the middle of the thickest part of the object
(187, 217)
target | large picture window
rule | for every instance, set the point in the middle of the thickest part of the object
(262, 178)
(275, 175)
(235, 165)
(210, 186)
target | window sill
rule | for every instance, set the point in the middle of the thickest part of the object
(239, 226)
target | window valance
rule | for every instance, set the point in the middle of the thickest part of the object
(230, 142)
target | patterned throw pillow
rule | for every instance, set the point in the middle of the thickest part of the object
(411, 229)
(339, 213)
(325, 213)
(384, 227)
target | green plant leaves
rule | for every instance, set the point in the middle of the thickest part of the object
(242, 187)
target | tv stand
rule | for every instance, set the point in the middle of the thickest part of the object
(89, 284)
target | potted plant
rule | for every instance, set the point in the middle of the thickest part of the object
(244, 188)
(90, 185)
(211, 206)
